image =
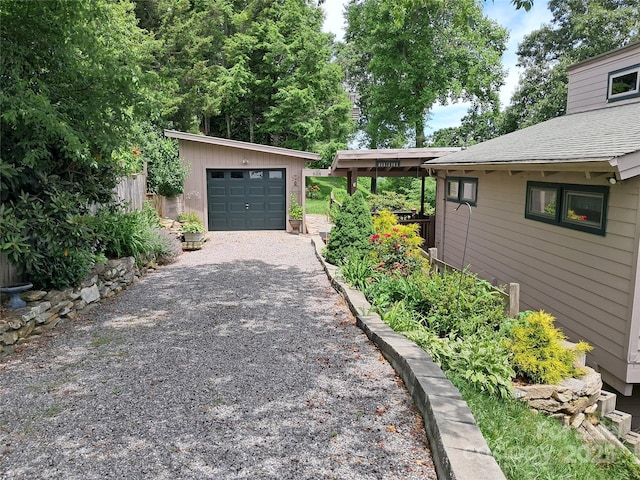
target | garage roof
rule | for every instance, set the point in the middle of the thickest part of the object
(225, 142)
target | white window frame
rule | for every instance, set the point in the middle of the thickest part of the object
(620, 73)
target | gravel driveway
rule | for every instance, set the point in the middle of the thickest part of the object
(238, 361)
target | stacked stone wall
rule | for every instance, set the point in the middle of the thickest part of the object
(570, 401)
(45, 309)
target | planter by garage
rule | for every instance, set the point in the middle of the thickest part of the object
(193, 237)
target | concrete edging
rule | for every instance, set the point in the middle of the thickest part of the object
(458, 448)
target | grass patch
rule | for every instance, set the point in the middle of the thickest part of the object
(52, 411)
(337, 185)
(99, 340)
(530, 446)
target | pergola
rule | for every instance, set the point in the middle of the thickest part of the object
(399, 162)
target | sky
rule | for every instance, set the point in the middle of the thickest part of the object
(517, 22)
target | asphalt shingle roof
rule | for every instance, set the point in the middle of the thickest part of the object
(595, 135)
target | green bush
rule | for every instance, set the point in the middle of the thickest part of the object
(352, 230)
(50, 238)
(391, 201)
(125, 234)
(460, 304)
(357, 269)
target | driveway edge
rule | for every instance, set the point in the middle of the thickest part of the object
(458, 448)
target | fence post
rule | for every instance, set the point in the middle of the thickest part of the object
(514, 300)
(433, 256)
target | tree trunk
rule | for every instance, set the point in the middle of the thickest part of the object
(251, 128)
(227, 118)
(420, 137)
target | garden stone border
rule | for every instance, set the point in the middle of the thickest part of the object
(458, 448)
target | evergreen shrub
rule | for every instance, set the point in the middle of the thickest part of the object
(352, 230)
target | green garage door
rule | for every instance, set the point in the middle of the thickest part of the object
(246, 199)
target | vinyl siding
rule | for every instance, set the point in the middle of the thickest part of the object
(584, 280)
(202, 156)
(588, 81)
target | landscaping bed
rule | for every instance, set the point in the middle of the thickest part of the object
(459, 320)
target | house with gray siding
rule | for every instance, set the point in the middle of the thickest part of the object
(556, 208)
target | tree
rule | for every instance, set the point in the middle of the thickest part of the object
(407, 56)
(580, 29)
(73, 85)
(478, 125)
(250, 70)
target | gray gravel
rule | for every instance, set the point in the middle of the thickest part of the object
(238, 361)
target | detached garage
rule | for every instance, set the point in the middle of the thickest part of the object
(236, 185)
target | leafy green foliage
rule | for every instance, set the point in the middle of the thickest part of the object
(295, 209)
(538, 351)
(73, 85)
(460, 304)
(357, 269)
(165, 171)
(580, 29)
(191, 223)
(352, 230)
(391, 201)
(123, 234)
(404, 57)
(252, 70)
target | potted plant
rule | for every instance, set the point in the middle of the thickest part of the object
(192, 227)
(295, 213)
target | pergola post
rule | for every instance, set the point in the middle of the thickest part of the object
(352, 180)
(374, 185)
(422, 197)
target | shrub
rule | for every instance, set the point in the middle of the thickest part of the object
(480, 359)
(352, 230)
(537, 349)
(165, 247)
(357, 269)
(125, 234)
(391, 201)
(460, 305)
(394, 246)
(50, 239)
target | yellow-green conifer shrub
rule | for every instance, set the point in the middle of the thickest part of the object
(538, 352)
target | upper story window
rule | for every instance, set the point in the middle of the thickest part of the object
(624, 83)
(580, 207)
(462, 189)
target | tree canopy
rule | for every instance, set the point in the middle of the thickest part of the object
(579, 29)
(254, 70)
(73, 84)
(404, 57)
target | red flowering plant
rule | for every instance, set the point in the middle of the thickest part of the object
(394, 246)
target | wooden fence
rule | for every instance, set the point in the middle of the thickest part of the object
(511, 298)
(131, 191)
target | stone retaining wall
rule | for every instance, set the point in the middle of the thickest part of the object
(44, 310)
(569, 401)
